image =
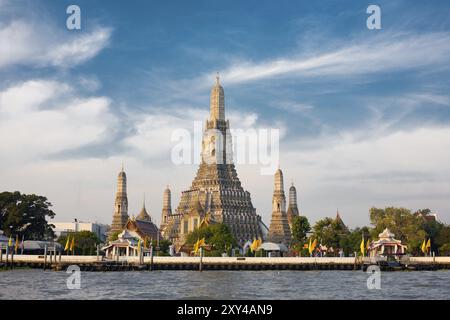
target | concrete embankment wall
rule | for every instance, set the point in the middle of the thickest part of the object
(94, 263)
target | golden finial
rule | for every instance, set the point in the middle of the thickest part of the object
(217, 78)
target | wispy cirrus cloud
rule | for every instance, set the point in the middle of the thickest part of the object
(384, 53)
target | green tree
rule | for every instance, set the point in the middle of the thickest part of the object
(164, 245)
(351, 242)
(26, 216)
(218, 235)
(330, 232)
(300, 226)
(85, 242)
(444, 250)
(114, 236)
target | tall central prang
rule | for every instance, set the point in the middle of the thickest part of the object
(216, 194)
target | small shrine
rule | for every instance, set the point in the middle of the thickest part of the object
(386, 245)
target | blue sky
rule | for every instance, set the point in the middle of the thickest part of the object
(364, 114)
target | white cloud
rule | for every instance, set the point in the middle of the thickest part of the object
(37, 44)
(385, 53)
(402, 168)
(40, 117)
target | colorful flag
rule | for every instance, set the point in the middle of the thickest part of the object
(72, 244)
(428, 246)
(252, 246)
(367, 245)
(67, 243)
(196, 246)
(10, 242)
(424, 248)
(312, 246)
(362, 246)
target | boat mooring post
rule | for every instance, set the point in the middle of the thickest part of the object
(200, 267)
(1, 253)
(12, 258)
(98, 252)
(45, 256)
(151, 257)
(60, 253)
(7, 253)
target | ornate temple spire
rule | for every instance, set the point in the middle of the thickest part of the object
(167, 207)
(292, 196)
(279, 230)
(120, 216)
(293, 206)
(167, 200)
(143, 215)
(279, 186)
(217, 102)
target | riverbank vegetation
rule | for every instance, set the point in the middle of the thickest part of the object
(25, 216)
(412, 228)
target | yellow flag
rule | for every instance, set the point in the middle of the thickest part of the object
(253, 245)
(202, 242)
(16, 245)
(145, 242)
(258, 244)
(196, 246)
(10, 242)
(67, 243)
(362, 246)
(139, 246)
(428, 246)
(312, 246)
(424, 248)
(367, 245)
(72, 244)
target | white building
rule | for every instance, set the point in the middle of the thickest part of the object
(62, 228)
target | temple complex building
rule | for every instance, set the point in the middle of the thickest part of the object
(279, 230)
(120, 216)
(216, 194)
(140, 230)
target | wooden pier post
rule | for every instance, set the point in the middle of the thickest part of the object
(98, 252)
(1, 253)
(60, 253)
(151, 257)
(200, 267)
(45, 256)
(12, 258)
(7, 252)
